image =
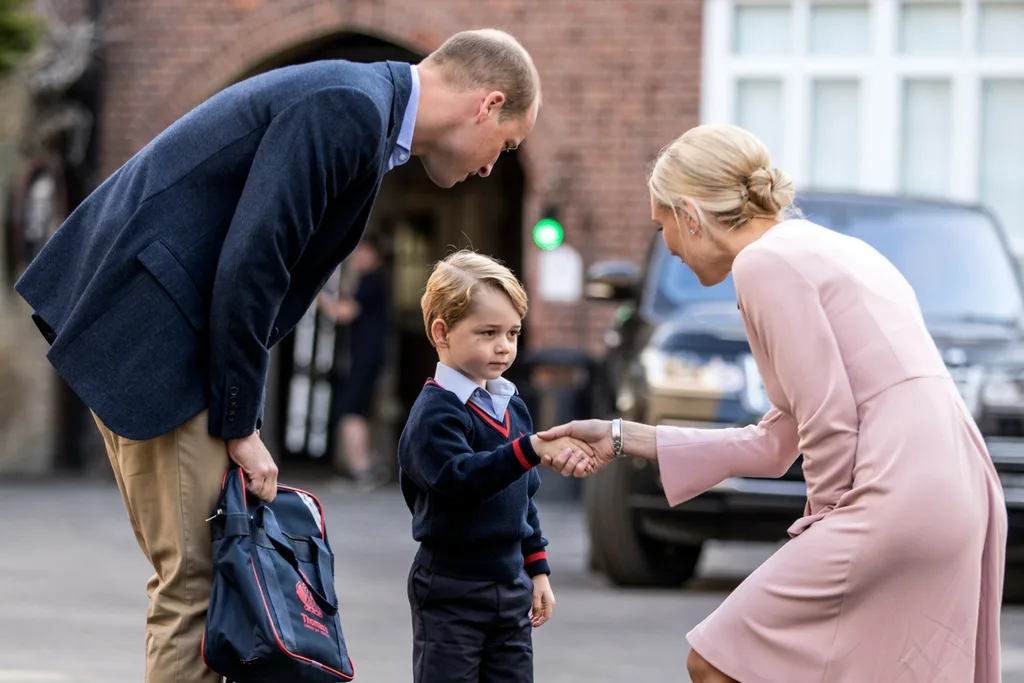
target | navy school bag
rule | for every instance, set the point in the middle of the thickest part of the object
(273, 613)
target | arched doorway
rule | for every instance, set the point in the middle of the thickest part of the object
(421, 223)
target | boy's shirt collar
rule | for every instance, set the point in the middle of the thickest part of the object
(494, 399)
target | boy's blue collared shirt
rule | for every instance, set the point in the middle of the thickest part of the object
(403, 146)
(493, 400)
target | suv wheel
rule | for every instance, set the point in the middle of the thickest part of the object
(617, 547)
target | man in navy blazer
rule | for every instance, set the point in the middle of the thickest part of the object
(162, 294)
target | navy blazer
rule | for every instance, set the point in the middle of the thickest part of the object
(162, 293)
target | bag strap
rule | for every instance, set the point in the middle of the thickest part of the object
(328, 602)
(323, 556)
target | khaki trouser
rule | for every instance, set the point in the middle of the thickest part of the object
(170, 485)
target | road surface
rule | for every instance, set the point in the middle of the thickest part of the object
(72, 598)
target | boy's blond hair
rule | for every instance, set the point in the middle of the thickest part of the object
(454, 282)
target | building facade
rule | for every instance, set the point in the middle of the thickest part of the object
(887, 96)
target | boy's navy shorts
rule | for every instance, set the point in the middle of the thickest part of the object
(467, 631)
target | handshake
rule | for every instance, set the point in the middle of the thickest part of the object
(577, 449)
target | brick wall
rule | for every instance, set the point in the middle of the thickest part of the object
(620, 78)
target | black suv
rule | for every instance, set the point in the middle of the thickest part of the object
(678, 355)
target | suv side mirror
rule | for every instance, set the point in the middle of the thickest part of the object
(612, 281)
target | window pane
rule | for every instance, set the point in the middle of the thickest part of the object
(761, 29)
(835, 134)
(1002, 152)
(926, 137)
(1001, 27)
(759, 110)
(930, 28)
(839, 30)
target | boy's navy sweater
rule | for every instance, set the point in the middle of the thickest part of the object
(469, 483)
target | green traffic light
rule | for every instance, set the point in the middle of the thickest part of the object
(548, 233)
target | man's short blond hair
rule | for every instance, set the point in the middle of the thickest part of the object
(493, 59)
(456, 280)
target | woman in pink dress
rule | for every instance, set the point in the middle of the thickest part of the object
(894, 573)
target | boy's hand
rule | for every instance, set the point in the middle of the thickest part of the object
(543, 600)
(582, 451)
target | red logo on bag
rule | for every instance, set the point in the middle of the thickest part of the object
(307, 599)
(315, 626)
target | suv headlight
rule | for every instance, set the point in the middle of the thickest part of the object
(691, 373)
(1003, 391)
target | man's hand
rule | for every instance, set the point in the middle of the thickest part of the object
(596, 433)
(257, 464)
(543, 600)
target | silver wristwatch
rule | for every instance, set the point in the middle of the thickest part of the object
(617, 437)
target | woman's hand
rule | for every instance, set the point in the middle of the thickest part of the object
(597, 433)
(638, 440)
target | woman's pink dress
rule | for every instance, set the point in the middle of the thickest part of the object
(894, 574)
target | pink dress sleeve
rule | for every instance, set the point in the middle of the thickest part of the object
(792, 341)
(693, 460)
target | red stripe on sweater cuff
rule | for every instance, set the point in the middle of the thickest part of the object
(542, 555)
(519, 454)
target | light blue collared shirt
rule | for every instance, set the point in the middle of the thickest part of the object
(493, 400)
(403, 146)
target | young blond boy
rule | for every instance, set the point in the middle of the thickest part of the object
(479, 582)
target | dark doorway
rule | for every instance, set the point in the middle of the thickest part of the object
(420, 223)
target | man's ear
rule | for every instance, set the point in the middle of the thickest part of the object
(439, 333)
(492, 104)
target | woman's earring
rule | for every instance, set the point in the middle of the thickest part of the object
(693, 231)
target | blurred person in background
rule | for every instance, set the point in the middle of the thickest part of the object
(162, 294)
(895, 571)
(366, 316)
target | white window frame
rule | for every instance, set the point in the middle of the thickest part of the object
(881, 73)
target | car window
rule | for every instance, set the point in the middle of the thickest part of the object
(952, 257)
(676, 285)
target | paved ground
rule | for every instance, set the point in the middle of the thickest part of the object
(72, 594)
